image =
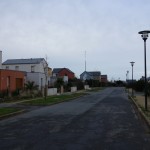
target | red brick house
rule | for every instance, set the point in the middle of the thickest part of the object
(61, 72)
(11, 80)
(104, 79)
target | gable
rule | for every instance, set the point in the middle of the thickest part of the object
(66, 70)
(59, 70)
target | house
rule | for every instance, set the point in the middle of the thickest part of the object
(36, 69)
(87, 75)
(27, 65)
(0, 59)
(11, 80)
(104, 79)
(63, 72)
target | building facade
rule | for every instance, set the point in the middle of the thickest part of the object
(104, 79)
(11, 80)
(62, 72)
(36, 69)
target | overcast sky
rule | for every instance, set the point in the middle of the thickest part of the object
(63, 30)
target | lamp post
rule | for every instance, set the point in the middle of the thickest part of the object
(144, 35)
(127, 80)
(132, 63)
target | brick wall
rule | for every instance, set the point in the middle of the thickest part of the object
(11, 80)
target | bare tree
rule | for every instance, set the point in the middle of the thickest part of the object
(45, 67)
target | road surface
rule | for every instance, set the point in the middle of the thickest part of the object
(104, 120)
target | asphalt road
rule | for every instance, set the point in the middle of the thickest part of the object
(104, 120)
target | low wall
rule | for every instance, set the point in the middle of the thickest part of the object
(73, 89)
(86, 87)
(52, 91)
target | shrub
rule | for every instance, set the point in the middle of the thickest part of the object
(4, 93)
(139, 85)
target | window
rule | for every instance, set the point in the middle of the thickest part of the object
(8, 82)
(16, 67)
(32, 68)
(7, 67)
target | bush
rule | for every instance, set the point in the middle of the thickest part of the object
(4, 93)
(15, 93)
(93, 83)
(139, 85)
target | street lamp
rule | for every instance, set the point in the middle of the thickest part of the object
(144, 35)
(132, 63)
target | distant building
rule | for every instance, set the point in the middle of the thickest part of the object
(143, 78)
(63, 72)
(87, 75)
(104, 79)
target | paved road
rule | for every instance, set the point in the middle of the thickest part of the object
(104, 120)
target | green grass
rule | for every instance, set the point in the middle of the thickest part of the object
(6, 110)
(53, 99)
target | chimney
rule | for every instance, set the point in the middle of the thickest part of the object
(0, 59)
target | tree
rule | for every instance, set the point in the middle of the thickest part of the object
(30, 85)
(139, 85)
(45, 68)
(59, 82)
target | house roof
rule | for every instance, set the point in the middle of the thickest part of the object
(92, 73)
(103, 76)
(57, 70)
(95, 73)
(23, 61)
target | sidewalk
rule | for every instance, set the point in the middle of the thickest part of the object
(11, 104)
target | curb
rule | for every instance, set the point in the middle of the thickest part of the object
(141, 112)
(12, 114)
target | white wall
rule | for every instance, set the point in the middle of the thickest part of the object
(52, 91)
(36, 77)
(73, 89)
(27, 67)
(0, 59)
(65, 78)
(86, 87)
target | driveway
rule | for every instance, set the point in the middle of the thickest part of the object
(104, 120)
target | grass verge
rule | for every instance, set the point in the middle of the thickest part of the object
(7, 110)
(53, 99)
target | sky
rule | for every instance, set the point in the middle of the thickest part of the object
(68, 32)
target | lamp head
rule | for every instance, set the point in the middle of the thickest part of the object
(144, 34)
(132, 63)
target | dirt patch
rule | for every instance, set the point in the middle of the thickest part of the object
(140, 100)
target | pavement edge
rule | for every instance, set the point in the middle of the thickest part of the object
(12, 114)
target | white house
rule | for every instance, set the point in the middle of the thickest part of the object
(0, 59)
(36, 69)
(27, 65)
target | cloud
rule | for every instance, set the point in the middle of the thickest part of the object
(64, 29)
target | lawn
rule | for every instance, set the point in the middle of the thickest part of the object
(53, 99)
(6, 110)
